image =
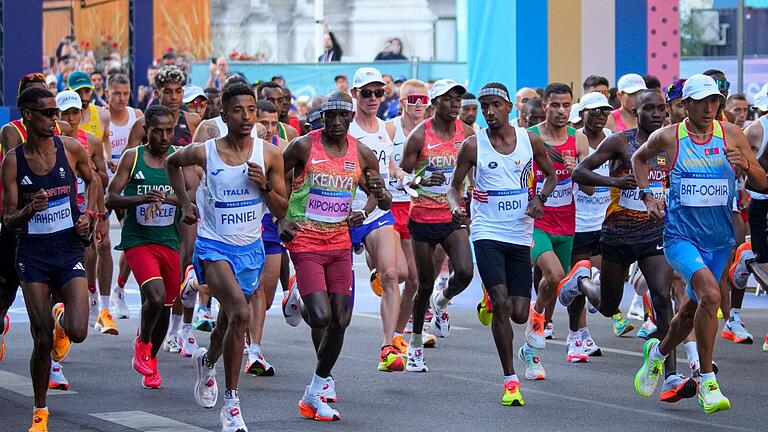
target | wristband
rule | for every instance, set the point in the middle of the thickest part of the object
(90, 214)
(645, 191)
(542, 197)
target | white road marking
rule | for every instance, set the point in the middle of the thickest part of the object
(378, 317)
(146, 422)
(613, 350)
(23, 385)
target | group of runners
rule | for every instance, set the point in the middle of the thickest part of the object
(224, 207)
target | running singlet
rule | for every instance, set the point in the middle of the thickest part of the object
(181, 134)
(281, 130)
(502, 188)
(559, 211)
(138, 227)
(118, 135)
(231, 206)
(398, 145)
(321, 198)
(620, 125)
(764, 123)
(590, 209)
(94, 122)
(701, 192)
(627, 220)
(381, 146)
(437, 155)
(58, 220)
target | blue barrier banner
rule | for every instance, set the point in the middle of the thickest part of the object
(5, 115)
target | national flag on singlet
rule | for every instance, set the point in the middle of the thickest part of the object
(711, 151)
(349, 165)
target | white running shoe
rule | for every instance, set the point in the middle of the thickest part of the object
(189, 288)
(292, 304)
(117, 303)
(232, 418)
(576, 352)
(739, 270)
(533, 368)
(549, 331)
(172, 343)
(440, 325)
(93, 308)
(57, 380)
(188, 343)
(590, 347)
(329, 390)
(415, 360)
(636, 310)
(206, 390)
(258, 365)
(315, 406)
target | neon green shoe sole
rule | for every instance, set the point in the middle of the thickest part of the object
(644, 368)
(512, 399)
(722, 405)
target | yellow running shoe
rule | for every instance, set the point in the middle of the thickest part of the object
(105, 324)
(39, 421)
(391, 360)
(400, 344)
(512, 396)
(376, 283)
(61, 343)
(484, 309)
(711, 398)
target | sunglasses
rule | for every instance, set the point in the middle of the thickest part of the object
(199, 103)
(723, 85)
(599, 111)
(366, 93)
(47, 112)
(417, 99)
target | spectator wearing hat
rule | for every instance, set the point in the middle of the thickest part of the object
(195, 99)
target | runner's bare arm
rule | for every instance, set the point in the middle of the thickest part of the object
(754, 133)
(207, 130)
(582, 147)
(611, 148)
(464, 163)
(193, 120)
(662, 140)
(9, 138)
(13, 218)
(137, 135)
(371, 180)
(276, 198)
(193, 154)
(468, 130)
(544, 163)
(413, 145)
(96, 148)
(611, 123)
(740, 155)
(115, 199)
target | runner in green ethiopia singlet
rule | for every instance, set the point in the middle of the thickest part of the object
(139, 229)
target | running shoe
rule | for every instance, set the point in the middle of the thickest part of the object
(391, 360)
(647, 378)
(484, 309)
(534, 330)
(408, 326)
(711, 398)
(620, 325)
(142, 357)
(636, 309)
(232, 418)
(428, 339)
(6, 328)
(292, 303)
(313, 406)
(739, 272)
(61, 343)
(188, 343)
(189, 288)
(512, 396)
(204, 321)
(376, 283)
(117, 303)
(568, 288)
(765, 343)
(329, 390)
(440, 325)
(93, 308)
(549, 331)
(735, 331)
(57, 380)
(39, 421)
(400, 344)
(441, 282)
(677, 387)
(257, 365)
(152, 381)
(105, 324)
(206, 390)
(172, 343)
(590, 347)
(533, 368)
(647, 329)
(415, 360)
(576, 352)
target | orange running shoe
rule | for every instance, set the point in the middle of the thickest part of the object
(400, 344)
(105, 324)
(39, 421)
(391, 360)
(61, 343)
(376, 283)
(534, 331)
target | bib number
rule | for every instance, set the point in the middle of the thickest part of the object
(703, 190)
(164, 216)
(630, 199)
(328, 206)
(441, 189)
(561, 196)
(237, 217)
(506, 205)
(57, 217)
(596, 203)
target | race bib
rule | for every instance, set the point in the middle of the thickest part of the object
(441, 189)
(57, 217)
(164, 216)
(506, 205)
(703, 190)
(561, 196)
(630, 198)
(595, 203)
(237, 217)
(328, 206)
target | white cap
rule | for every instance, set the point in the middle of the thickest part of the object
(192, 92)
(51, 79)
(594, 100)
(575, 116)
(68, 99)
(700, 86)
(365, 76)
(443, 86)
(761, 102)
(631, 83)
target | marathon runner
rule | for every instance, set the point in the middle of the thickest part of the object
(272, 92)
(533, 113)
(675, 105)
(723, 85)
(738, 107)
(242, 175)
(327, 166)
(628, 86)
(150, 235)
(630, 233)
(430, 154)
(469, 108)
(522, 97)
(39, 201)
(699, 230)
(502, 217)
